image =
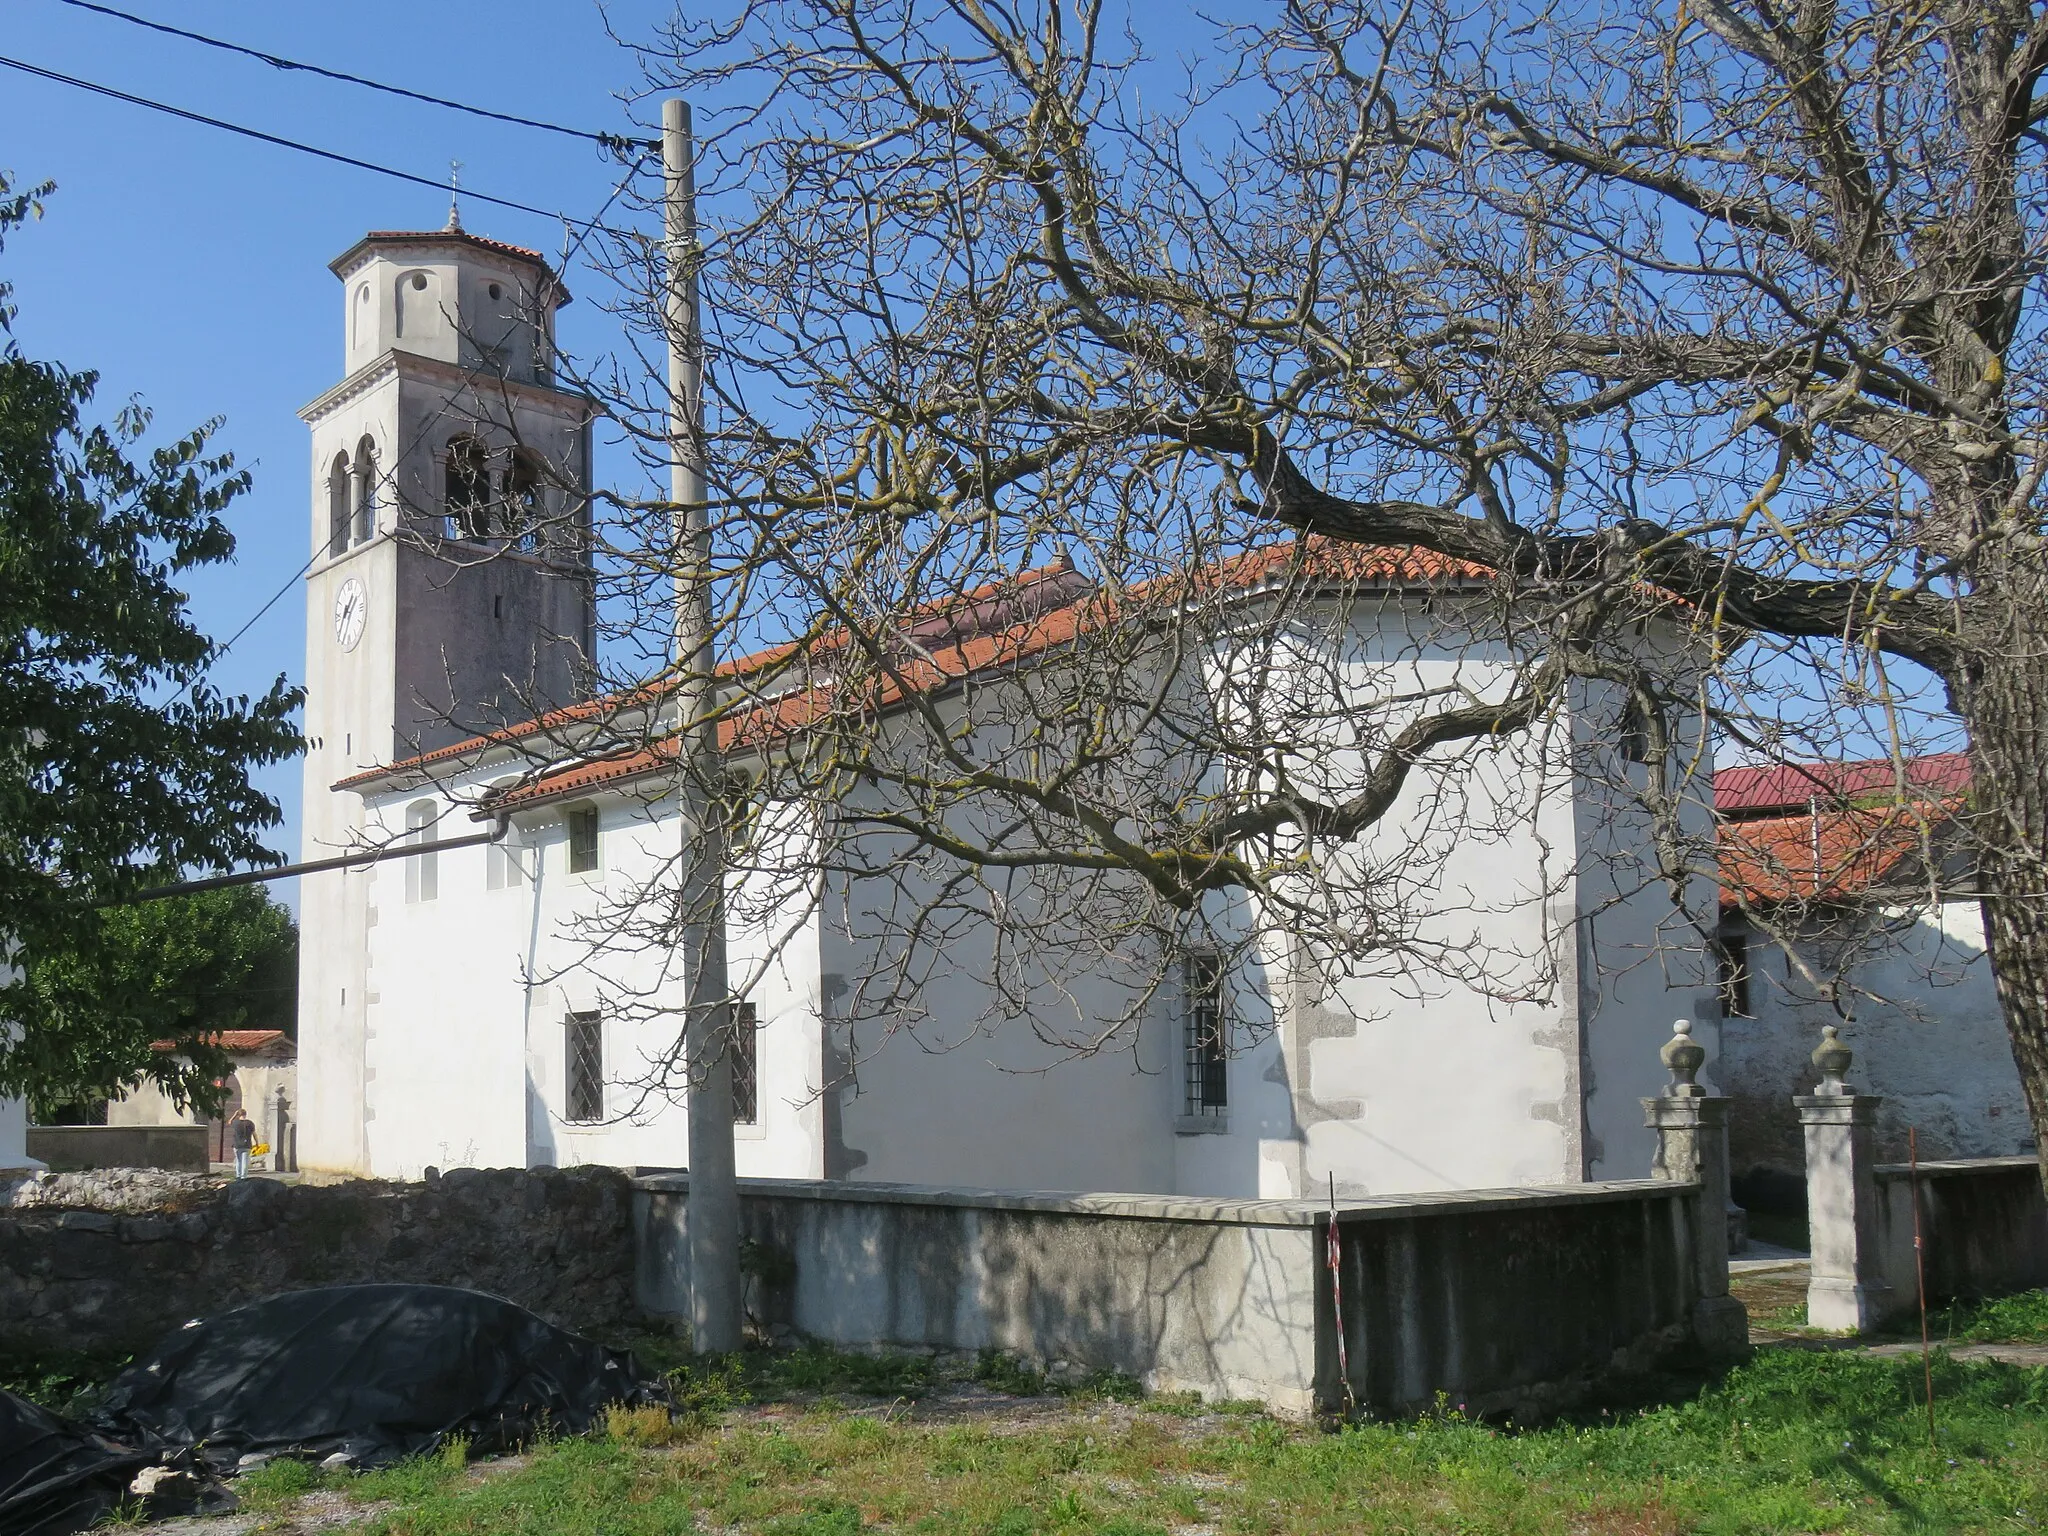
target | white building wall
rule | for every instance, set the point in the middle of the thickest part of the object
(1387, 1077)
(470, 994)
(14, 1137)
(955, 1096)
(1928, 1034)
(1641, 963)
(1407, 1075)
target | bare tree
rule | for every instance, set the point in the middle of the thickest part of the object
(1707, 300)
(1676, 356)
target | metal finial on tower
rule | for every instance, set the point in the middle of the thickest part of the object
(454, 195)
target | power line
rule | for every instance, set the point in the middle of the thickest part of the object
(617, 143)
(271, 138)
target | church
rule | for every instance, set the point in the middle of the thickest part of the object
(454, 1012)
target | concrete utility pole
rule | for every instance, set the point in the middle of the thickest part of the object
(714, 1208)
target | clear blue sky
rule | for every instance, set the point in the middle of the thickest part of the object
(189, 267)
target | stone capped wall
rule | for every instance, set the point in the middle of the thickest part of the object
(559, 1242)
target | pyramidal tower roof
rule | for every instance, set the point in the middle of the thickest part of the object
(452, 235)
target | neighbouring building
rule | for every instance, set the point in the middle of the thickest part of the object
(450, 1014)
(263, 1081)
(1836, 881)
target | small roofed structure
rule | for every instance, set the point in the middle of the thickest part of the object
(263, 1081)
(1847, 900)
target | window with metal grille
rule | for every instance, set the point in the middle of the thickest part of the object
(526, 507)
(584, 1069)
(746, 1065)
(583, 840)
(1205, 1043)
(365, 491)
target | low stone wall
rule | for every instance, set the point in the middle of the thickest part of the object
(1512, 1300)
(81, 1279)
(1985, 1225)
(1505, 1299)
(70, 1148)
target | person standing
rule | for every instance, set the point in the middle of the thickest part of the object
(242, 1137)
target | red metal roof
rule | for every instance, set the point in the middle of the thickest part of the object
(1791, 786)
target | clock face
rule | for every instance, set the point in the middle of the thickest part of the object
(351, 611)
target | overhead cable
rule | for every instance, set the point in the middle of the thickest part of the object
(616, 143)
(282, 143)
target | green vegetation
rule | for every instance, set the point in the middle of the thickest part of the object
(816, 1441)
(177, 969)
(1796, 1441)
(2021, 1319)
(124, 765)
(62, 1381)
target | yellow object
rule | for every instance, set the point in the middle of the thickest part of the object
(259, 1149)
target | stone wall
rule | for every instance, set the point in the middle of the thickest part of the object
(69, 1148)
(560, 1243)
(1984, 1222)
(1509, 1300)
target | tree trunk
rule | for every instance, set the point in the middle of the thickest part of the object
(2002, 694)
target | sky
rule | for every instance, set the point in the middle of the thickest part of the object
(189, 266)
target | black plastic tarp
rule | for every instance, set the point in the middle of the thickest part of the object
(377, 1372)
(55, 1476)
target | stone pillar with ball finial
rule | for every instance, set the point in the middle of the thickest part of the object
(1845, 1289)
(1692, 1147)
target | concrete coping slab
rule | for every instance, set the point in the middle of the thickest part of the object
(1956, 1167)
(1249, 1213)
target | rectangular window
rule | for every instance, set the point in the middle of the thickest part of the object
(505, 862)
(1731, 962)
(422, 876)
(746, 1065)
(1206, 1043)
(583, 1074)
(1635, 733)
(583, 840)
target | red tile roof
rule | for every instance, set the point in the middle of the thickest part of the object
(1835, 856)
(461, 235)
(994, 625)
(451, 237)
(243, 1042)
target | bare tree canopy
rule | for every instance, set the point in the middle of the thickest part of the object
(1677, 355)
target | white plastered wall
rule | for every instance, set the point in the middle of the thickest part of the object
(470, 993)
(1391, 1081)
(1927, 1031)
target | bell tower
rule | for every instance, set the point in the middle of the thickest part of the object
(450, 586)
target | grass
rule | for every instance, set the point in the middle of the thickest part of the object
(1777, 1300)
(719, 1383)
(2021, 1319)
(1794, 1441)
